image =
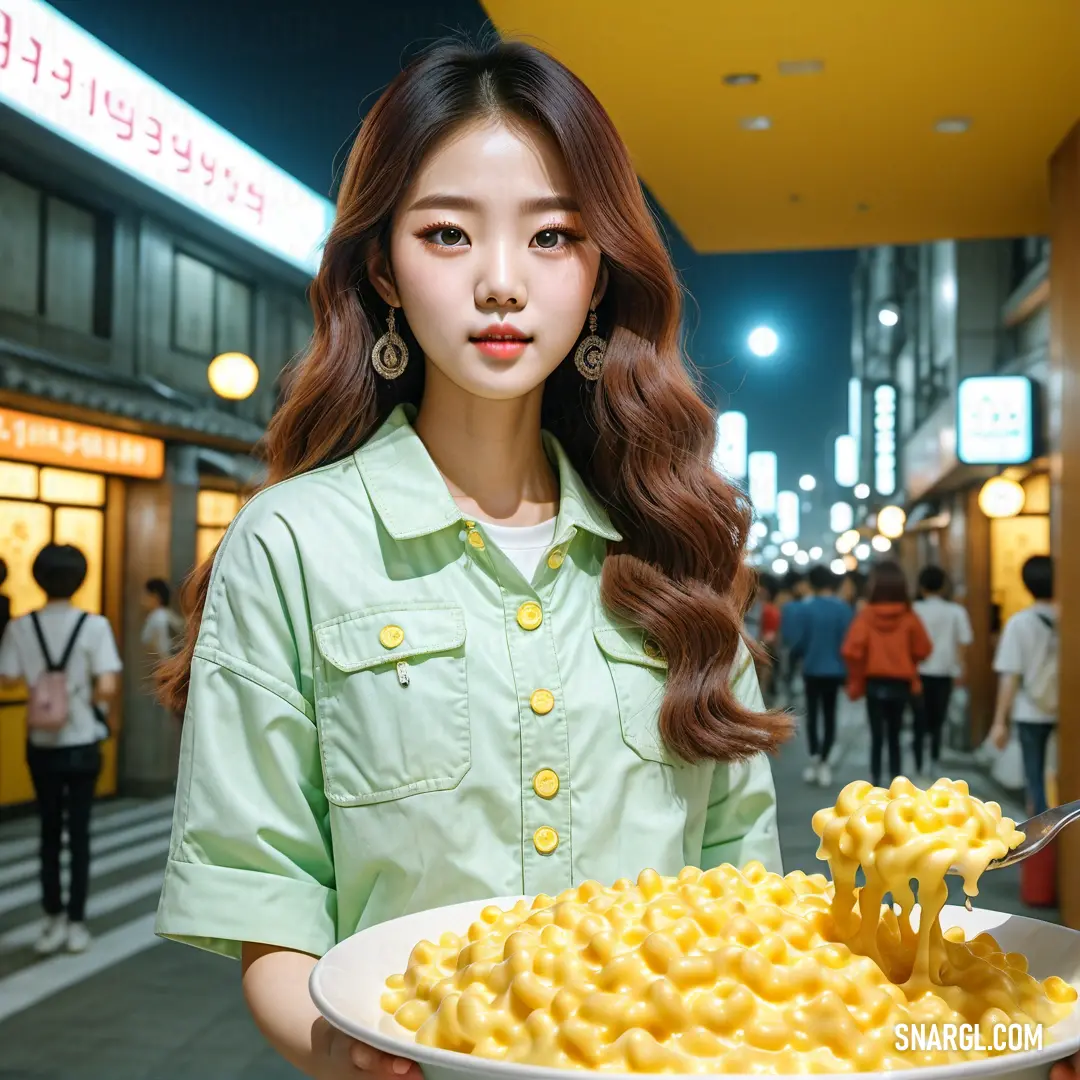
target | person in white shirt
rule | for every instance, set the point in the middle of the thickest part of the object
(64, 763)
(1025, 643)
(949, 628)
(162, 625)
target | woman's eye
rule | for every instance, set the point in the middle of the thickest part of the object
(548, 238)
(447, 236)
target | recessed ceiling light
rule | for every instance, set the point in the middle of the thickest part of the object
(755, 123)
(953, 125)
(801, 67)
(743, 78)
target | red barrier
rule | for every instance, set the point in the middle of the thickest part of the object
(1038, 878)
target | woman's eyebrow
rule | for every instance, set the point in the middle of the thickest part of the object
(446, 201)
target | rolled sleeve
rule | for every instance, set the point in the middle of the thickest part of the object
(250, 857)
(740, 824)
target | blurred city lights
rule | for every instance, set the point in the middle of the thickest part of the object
(759, 529)
(789, 548)
(888, 315)
(841, 517)
(233, 376)
(1000, 497)
(862, 552)
(801, 558)
(729, 455)
(787, 514)
(881, 543)
(780, 566)
(807, 482)
(816, 553)
(763, 341)
(846, 461)
(862, 491)
(838, 567)
(891, 521)
(761, 467)
(846, 542)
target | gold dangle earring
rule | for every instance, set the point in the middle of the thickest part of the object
(390, 356)
(589, 357)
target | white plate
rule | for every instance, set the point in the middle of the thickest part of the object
(349, 981)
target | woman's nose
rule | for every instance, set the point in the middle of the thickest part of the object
(501, 285)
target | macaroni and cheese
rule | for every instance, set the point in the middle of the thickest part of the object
(736, 971)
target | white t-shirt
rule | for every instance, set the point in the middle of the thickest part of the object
(94, 654)
(160, 629)
(949, 628)
(523, 545)
(1020, 651)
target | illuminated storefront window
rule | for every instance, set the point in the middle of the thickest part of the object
(214, 510)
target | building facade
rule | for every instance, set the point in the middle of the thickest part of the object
(118, 287)
(926, 318)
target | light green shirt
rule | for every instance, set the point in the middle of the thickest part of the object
(385, 716)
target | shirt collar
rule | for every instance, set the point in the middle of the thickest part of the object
(412, 499)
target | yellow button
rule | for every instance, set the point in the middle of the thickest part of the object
(476, 540)
(470, 524)
(542, 702)
(555, 559)
(545, 840)
(546, 784)
(390, 637)
(530, 615)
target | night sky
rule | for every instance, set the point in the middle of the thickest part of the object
(292, 79)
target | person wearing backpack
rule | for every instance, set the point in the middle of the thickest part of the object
(69, 661)
(1027, 667)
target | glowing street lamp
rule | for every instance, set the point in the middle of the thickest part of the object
(763, 341)
(891, 521)
(1001, 497)
(233, 376)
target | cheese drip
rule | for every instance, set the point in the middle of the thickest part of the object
(737, 971)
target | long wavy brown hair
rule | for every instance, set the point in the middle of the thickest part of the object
(641, 436)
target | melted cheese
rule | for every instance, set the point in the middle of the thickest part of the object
(734, 971)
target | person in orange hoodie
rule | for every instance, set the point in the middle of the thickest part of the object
(883, 648)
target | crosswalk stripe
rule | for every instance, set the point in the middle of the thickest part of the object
(39, 981)
(98, 905)
(99, 844)
(22, 846)
(16, 896)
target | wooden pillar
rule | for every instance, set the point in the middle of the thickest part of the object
(1065, 471)
(982, 682)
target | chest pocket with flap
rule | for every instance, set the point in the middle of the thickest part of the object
(639, 673)
(392, 702)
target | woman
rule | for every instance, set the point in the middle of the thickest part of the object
(883, 648)
(65, 718)
(481, 634)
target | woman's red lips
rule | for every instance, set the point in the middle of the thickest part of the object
(502, 332)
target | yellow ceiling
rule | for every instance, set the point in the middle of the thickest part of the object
(852, 156)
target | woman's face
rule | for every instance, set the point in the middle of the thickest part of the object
(488, 241)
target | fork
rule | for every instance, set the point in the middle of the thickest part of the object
(1038, 832)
